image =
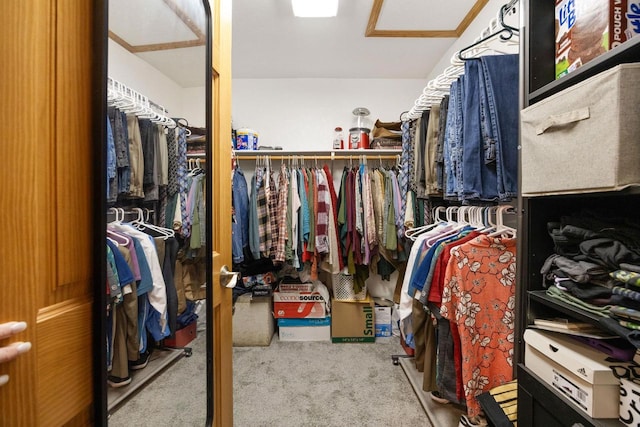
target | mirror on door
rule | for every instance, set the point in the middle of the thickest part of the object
(157, 214)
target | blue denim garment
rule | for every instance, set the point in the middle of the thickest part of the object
(125, 275)
(449, 144)
(240, 220)
(472, 155)
(500, 125)
(124, 172)
(111, 159)
(156, 322)
(143, 309)
(459, 129)
(254, 231)
(480, 179)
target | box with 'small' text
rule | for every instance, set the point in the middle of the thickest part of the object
(352, 321)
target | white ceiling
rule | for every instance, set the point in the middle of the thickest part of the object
(269, 42)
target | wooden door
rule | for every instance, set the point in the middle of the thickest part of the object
(50, 247)
(221, 307)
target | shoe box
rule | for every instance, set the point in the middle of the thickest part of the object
(576, 370)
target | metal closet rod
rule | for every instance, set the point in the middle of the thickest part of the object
(320, 157)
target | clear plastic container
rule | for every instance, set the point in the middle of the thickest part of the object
(360, 129)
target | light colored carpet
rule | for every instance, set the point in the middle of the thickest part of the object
(301, 384)
(306, 384)
(174, 397)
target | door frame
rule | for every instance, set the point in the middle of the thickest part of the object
(209, 205)
(99, 326)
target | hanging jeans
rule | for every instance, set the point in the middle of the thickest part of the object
(480, 181)
(452, 147)
(500, 115)
(490, 136)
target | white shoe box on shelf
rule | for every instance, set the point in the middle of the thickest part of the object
(579, 372)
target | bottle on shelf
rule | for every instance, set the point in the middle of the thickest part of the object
(338, 140)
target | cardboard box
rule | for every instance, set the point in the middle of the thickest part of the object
(253, 323)
(383, 321)
(585, 29)
(295, 287)
(183, 336)
(299, 310)
(352, 321)
(579, 372)
(304, 329)
(298, 296)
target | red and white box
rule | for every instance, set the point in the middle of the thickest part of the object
(299, 310)
(298, 297)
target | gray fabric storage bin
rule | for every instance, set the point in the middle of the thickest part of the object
(585, 138)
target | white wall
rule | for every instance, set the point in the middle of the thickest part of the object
(193, 105)
(473, 31)
(137, 74)
(301, 114)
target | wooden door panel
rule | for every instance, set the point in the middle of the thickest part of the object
(72, 171)
(46, 205)
(62, 332)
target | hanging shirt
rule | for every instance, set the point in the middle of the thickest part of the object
(324, 201)
(479, 298)
(295, 218)
(283, 193)
(334, 209)
(158, 294)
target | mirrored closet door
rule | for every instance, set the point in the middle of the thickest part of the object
(158, 212)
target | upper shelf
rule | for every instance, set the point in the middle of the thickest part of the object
(627, 52)
(319, 154)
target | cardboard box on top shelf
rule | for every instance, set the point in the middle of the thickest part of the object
(352, 321)
(585, 29)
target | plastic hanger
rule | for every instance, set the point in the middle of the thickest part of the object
(141, 225)
(503, 230)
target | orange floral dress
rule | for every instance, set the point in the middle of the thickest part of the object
(479, 299)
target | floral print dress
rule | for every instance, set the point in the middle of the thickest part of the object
(479, 299)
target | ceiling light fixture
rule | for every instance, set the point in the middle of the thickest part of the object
(315, 8)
